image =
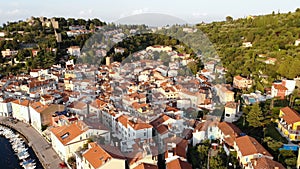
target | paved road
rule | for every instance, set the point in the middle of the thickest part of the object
(41, 147)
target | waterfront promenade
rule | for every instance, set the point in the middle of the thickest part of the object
(41, 147)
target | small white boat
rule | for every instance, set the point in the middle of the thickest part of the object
(23, 155)
(29, 166)
(17, 146)
(25, 162)
(21, 150)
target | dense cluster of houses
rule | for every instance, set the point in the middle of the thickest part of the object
(133, 112)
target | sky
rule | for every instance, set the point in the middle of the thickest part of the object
(192, 11)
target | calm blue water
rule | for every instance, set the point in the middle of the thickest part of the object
(8, 159)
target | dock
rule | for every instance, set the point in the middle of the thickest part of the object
(43, 150)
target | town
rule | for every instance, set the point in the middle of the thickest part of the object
(153, 109)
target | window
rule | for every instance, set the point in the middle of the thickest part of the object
(65, 135)
(145, 134)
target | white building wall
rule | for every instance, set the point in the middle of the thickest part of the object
(97, 132)
(144, 133)
(66, 151)
(36, 121)
(230, 114)
(212, 132)
(5, 109)
(21, 112)
(114, 163)
(198, 137)
(58, 147)
(290, 85)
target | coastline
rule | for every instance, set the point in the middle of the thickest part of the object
(26, 141)
(8, 158)
(42, 149)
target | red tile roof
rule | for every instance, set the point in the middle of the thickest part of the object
(38, 106)
(249, 146)
(266, 163)
(146, 166)
(178, 164)
(22, 102)
(161, 119)
(238, 77)
(279, 87)
(290, 116)
(230, 132)
(96, 156)
(67, 133)
(139, 126)
(98, 103)
(181, 145)
(123, 119)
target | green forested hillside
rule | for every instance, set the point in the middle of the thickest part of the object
(24, 36)
(272, 35)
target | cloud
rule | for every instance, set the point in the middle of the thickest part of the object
(199, 14)
(139, 11)
(13, 12)
(134, 12)
(88, 12)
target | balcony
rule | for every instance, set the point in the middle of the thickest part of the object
(285, 126)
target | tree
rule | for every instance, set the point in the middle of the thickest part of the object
(289, 157)
(165, 58)
(71, 21)
(92, 27)
(97, 22)
(193, 67)
(22, 54)
(291, 161)
(81, 21)
(216, 162)
(295, 94)
(273, 144)
(255, 116)
(229, 18)
(197, 155)
(155, 55)
(72, 161)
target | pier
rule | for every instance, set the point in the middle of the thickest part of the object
(43, 150)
